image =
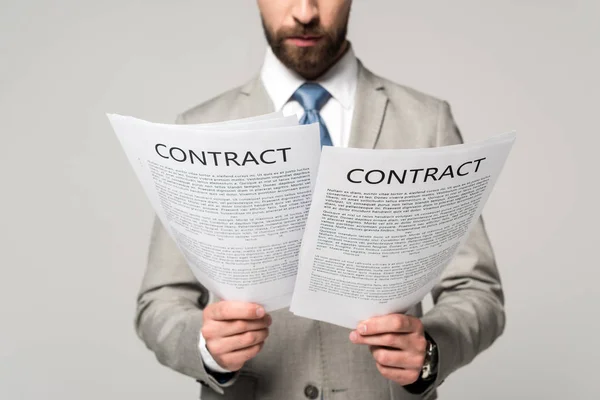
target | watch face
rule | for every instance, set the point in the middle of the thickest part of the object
(432, 350)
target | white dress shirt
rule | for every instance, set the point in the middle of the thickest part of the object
(340, 81)
(280, 84)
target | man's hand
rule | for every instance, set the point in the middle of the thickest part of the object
(397, 343)
(234, 332)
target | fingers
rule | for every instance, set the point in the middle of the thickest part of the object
(398, 323)
(395, 340)
(215, 329)
(232, 310)
(235, 361)
(397, 359)
(397, 343)
(222, 346)
(234, 332)
(415, 343)
(402, 376)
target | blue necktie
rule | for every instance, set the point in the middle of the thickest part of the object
(312, 97)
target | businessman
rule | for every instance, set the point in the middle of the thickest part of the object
(236, 350)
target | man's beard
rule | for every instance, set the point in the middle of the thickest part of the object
(312, 61)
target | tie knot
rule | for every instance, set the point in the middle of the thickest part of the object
(311, 96)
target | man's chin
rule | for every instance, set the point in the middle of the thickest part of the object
(292, 48)
(303, 66)
(310, 55)
(308, 62)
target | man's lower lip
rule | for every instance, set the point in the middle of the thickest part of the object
(300, 42)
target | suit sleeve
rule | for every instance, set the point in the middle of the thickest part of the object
(468, 313)
(169, 309)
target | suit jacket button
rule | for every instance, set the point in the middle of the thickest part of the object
(311, 392)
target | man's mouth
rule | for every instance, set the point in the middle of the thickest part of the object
(304, 40)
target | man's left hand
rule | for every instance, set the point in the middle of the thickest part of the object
(398, 345)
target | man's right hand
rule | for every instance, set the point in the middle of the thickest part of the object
(234, 332)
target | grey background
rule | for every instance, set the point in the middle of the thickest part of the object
(75, 221)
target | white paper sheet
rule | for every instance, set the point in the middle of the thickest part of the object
(384, 224)
(242, 121)
(234, 200)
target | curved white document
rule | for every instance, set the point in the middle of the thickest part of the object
(233, 196)
(384, 224)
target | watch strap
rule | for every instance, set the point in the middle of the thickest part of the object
(429, 370)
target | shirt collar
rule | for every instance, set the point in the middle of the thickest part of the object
(281, 82)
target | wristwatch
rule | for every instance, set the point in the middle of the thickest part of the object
(429, 370)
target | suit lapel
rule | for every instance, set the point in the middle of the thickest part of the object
(254, 100)
(369, 110)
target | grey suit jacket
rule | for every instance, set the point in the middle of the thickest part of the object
(467, 316)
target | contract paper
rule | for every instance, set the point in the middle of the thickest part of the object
(384, 224)
(233, 196)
